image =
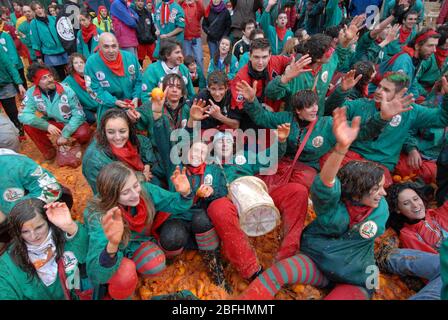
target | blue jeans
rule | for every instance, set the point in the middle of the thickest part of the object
(194, 48)
(408, 262)
(213, 47)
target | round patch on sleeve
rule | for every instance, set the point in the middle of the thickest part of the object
(368, 229)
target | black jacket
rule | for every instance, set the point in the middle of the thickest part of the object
(66, 23)
(146, 31)
(217, 25)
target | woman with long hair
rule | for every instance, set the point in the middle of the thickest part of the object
(224, 60)
(88, 36)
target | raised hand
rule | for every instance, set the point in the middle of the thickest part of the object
(198, 110)
(133, 114)
(392, 34)
(113, 226)
(348, 33)
(59, 214)
(444, 85)
(399, 104)
(414, 159)
(349, 81)
(147, 172)
(295, 68)
(344, 133)
(283, 131)
(249, 93)
(157, 104)
(214, 110)
(180, 181)
(204, 191)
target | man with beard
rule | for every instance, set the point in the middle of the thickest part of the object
(114, 75)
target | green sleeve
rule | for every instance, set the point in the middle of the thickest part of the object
(333, 13)
(35, 39)
(275, 90)
(190, 89)
(148, 84)
(265, 22)
(180, 18)
(77, 118)
(411, 142)
(211, 66)
(388, 5)
(137, 91)
(443, 269)
(265, 118)
(342, 55)
(28, 114)
(107, 99)
(80, 242)
(9, 68)
(372, 128)
(79, 43)
(325, 199)
(167, 201)
(9, 290)
(92, 163)
(202, 80)
(431, 117)
(335, 100)
(146, 150)
(233, 68)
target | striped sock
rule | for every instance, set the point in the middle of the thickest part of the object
(208, 240)
(149, 259)
(296, 269)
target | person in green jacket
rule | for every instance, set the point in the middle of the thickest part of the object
(278, 34)
(88, 36)
(24, 31)
(392, 7)
(114, 75)
(444, 269)
(122, 221)
(116, 140)
(76, 81)
(224, 60)
(196, 73)
(62, 114)
(46, 254)
(9, 47)
(335, 13)
(171, 61)
(338, 246)
(321, 70)
(45, 40)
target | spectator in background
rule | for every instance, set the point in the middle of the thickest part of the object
(242, 11)
(243, 45)
(194, 12)
(196, 73)
(103, 20)
(24, 32)
(146, 32)
(216, 24)
(224, 60)
(443, 15)
(125, 22)
(52, 10)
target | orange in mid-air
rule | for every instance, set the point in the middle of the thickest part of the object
(157, 93)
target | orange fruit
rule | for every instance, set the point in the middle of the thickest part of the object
(157, 93)
(397, 178)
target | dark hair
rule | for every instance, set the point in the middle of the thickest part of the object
(397, 220)
(71, 59)
(35, 67)
(228, 58)
(254, 33)
(189, 60)
(101, 137)
(281, 11)
(399, 78)
(358, 178)
(304, 99)
(84, 12)
(247, 22)
(167, 46)
(217, 77)
(412, 11)
(333, 31)
(22, 212)
(366, 69)
(413, 41)
(299, 34)
(316, 46)
(443, 31)
(171, 78)
(262, 44)
(52, 5)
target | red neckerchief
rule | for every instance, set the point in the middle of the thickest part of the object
(404, 35)
(98, 15)
(129, 155)
(196, 171)
(59, 90)
(89, 32)
(117, 66)
(404, 50)
(441, 55)
(281, 32)
(136, 222)
(357, 213)
(79, 80)
(165, 12)
(18, 14)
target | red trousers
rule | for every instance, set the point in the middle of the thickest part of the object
(427, 171)
(292, 202)
(353, 156)
(144, 50)
(43, 143)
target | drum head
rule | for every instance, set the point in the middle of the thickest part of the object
(259, 221)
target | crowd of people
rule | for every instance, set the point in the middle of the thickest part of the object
(303, 103)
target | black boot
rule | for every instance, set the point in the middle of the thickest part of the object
(213, 260)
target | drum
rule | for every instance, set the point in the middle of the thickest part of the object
(256, 209)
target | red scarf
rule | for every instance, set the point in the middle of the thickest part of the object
(404, 50)
(441, 55)
(129, 155)
(281, 32)
(136, 222)
(98, 15)
(18, 14)
(197, 171)
(165, 12)
(357, 213)
(89, 32)
(116, 66)
(79, 80)
(404, 34)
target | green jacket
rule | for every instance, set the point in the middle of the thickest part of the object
(22, 178)
(108, 86)
(343, 253)
(395, 46)
(176, 20)
(87, 49)
(154, 74)
(428, 74)
(444, 269)
(230, 70)
(390, 4)
(163, 200)
(10, 48)
(64, 107)
(44, 37)
(95, 158)
(367, 49)
(275, 90)
(87, 98)
(8, 73)
(334, 13)
(15, 284)
(321, 139)
(25, 29)
(271, 34)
